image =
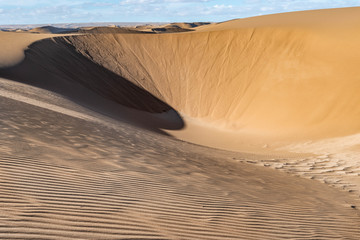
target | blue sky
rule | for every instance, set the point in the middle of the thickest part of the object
(70, 11)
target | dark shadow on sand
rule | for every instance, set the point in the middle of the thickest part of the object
(55, 65)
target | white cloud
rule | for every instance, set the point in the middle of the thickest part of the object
(264, 9)
(223, 6)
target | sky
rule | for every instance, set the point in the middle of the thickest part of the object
(79, 11)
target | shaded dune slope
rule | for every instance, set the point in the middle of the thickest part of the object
(55, 65)
(59, 58)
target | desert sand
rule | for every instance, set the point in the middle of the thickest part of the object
(246, 129)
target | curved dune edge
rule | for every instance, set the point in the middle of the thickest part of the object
(14, 45)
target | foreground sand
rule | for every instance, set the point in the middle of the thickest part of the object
(71, 173)
(85, 141)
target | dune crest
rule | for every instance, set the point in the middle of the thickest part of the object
(13, 46)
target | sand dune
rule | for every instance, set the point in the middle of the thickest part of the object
(189, 25)
(66, 176)
(268, 81)
(178, 27)
(271, 80)
(84, 149)
(50, 29)
(114, 29)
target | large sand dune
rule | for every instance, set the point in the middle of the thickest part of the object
(85, 119)
(272, 80)
(268, 80)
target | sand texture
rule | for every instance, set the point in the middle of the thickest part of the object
(65, 175)
(247, 129)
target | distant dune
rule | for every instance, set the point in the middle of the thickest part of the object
(113, 30)
(88, 113)
(50, 29)
(123, 28)
(179, 27)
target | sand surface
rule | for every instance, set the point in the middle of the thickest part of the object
(70, 173)
(119, 136)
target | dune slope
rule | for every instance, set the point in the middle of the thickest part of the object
(286, 81)
(59, 58)
(69, 174)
